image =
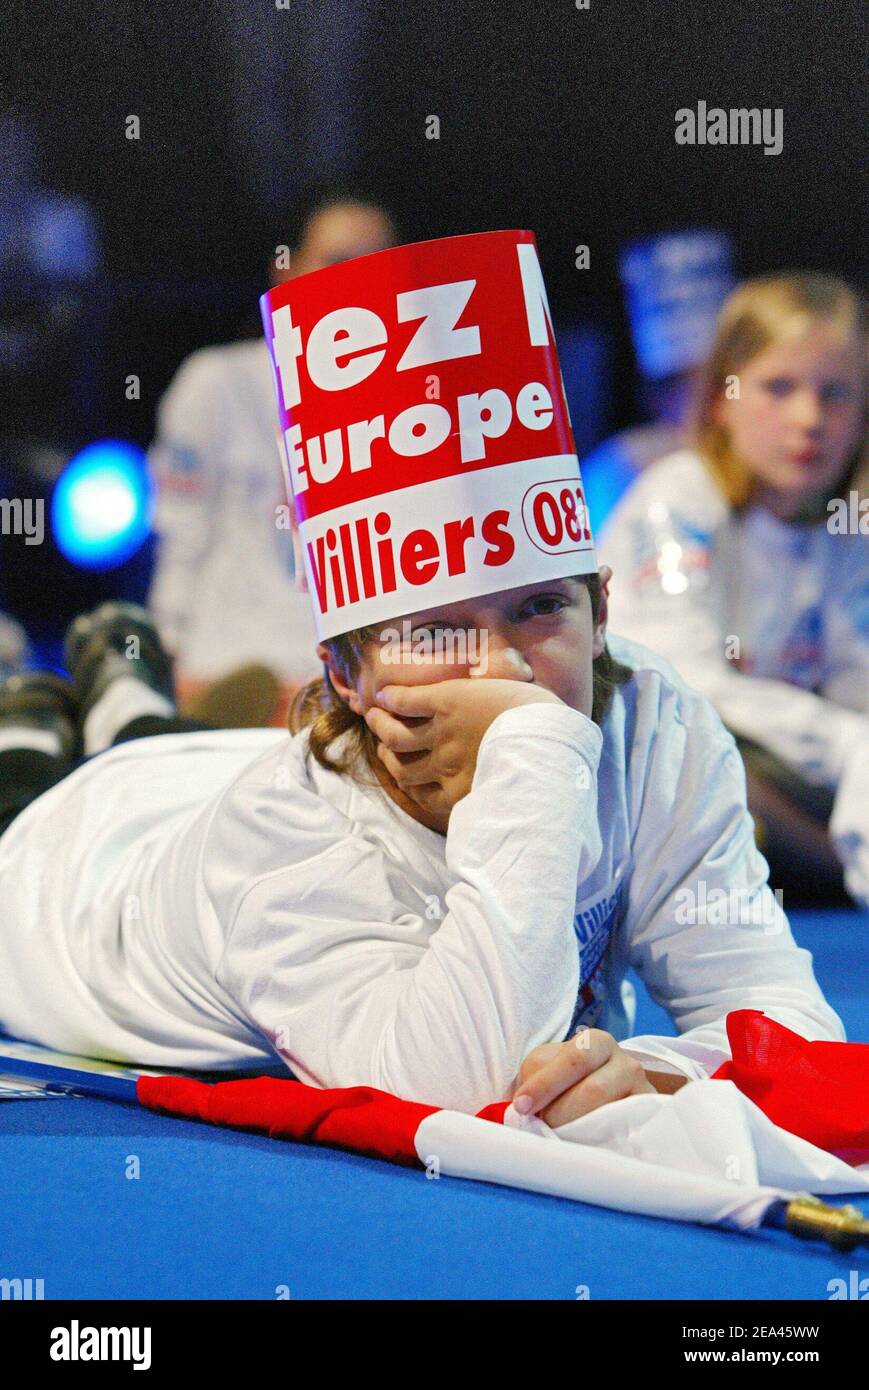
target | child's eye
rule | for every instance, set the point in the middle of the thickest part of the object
(435, 630)
(543, 606)
(779, 386)
(836, 392)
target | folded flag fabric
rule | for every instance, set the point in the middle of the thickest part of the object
(818, 1090)
(353, 1117)
(708, 1153)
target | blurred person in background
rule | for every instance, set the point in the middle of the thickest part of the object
(50, 257)
(745, 561)
(674, 286)
(224, 593)
(50, 260)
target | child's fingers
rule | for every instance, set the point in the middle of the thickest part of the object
(613, 1081)
(400, 737)
(573, 1061)
(431, 797)
(535, 1060)
(408, 769)
(420, 701)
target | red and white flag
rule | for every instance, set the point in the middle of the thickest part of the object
(783, 1117)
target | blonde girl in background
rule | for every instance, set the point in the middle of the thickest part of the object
(742, 560)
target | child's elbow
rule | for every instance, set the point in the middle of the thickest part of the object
(451, 1081)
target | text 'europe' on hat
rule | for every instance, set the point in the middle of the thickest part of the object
(428, 447)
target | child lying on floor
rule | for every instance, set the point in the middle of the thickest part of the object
(450, 865)
(437, 878)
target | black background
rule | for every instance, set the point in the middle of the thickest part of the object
(552, 118)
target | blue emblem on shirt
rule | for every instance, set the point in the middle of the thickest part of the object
(802, 656)
(593, 925)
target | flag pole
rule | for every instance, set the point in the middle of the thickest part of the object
(809, 1218)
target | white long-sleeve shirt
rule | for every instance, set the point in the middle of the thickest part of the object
(211, 900)
(769, 620)
(224, 591)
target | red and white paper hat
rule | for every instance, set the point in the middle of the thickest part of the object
(429, 454)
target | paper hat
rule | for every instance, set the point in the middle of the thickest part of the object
(675, 286)
(428, 446)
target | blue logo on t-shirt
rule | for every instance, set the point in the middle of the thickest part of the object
(593, 925)
(802, 654)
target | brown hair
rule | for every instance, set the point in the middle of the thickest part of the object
(752, 319)
(320, 708)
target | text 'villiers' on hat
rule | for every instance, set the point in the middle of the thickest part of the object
(429, 453)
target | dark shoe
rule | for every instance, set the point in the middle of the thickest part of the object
(42, 700)
(98, 651)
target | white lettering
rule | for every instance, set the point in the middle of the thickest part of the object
(534, 291)
(419, 429)
(347, 336)
(534, 406)
(360, 436)
(486, 414)
(287, 350)
(437, 339)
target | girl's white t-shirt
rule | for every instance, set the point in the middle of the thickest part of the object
(768, 619)
(221, 901)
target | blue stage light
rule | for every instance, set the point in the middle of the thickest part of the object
(607, 473)
(101, 505)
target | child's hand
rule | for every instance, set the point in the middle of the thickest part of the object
(562, 1081)
(433, 756)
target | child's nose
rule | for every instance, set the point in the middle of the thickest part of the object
(809, 409)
